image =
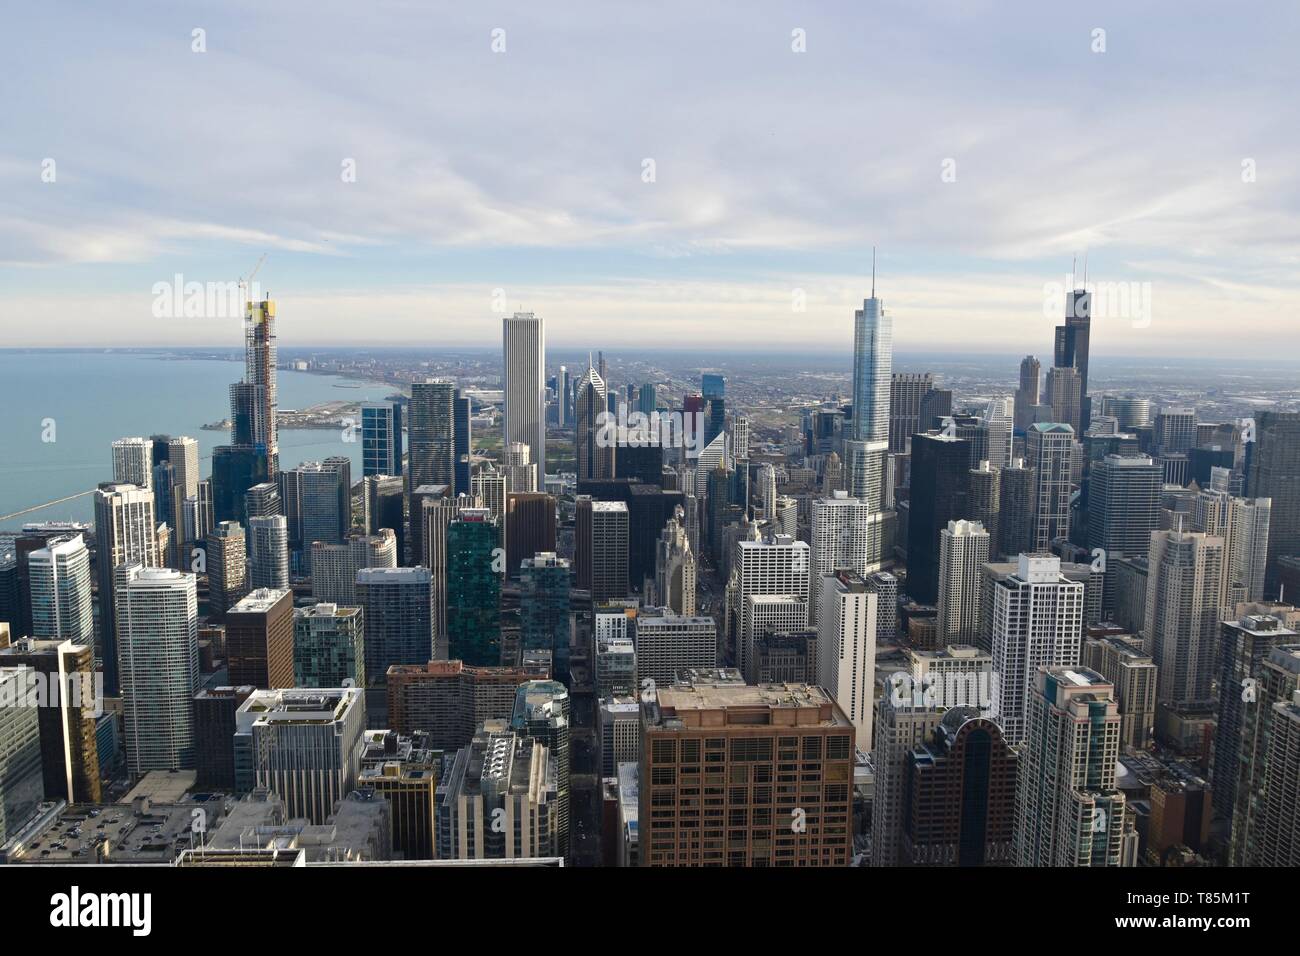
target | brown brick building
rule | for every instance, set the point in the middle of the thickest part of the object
(259, 639)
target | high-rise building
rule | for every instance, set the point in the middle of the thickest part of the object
(903, 723)
(329, 647)
(1049, 451)
(959, 801)
(317, 504)
(1274, 472)
(404, 772)
(1065, 397)
(125, 533)
(542, 712)
(1277, 820)
(215, 710)
(500, 776)
(520, 475)
(381, 438)
(449, 700)
(132, 462)
(1119, 658)
(430, 439)
(1182, 622)
(1072, 346)
(236, 469)
(1028, 394)
(398, 618)
(259, 639)
(462, 442)
(474, 573)
(524, 363)
(668, 643)
(984, 500)
(1243, 524)
(227, 556)
(593, 449)
(1036, 621)
(752, 733)
(334, 567)
(260, 372)
(1068, 811)
(1123, 504)
(21, 786)
(530, 527)
(675, 569)
(846, 647)
(963, 551)
(778, 567)
(940, 466)
(69, 752)
(304, 746)
(58, 581)
(544, 608)
(605, 548)
(906, 389)
(384, 502)
(158, 629)
(847, 534)
(1016, 527)
(268, 552)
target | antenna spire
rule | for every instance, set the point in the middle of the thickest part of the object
(873, 272)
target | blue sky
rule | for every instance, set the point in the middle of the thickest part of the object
(775, 171)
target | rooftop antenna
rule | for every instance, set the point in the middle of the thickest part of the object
(1073, 267)
(1085, 269)
(873, 272)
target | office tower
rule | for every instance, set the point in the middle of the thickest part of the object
(520, 475)
(963, 551)
(618, 728)
(21, 786)
(227, 567)
(1049, 451)
(1175, 430)
(984, 500)
(1068, 812)
(1123, 504)
(462, 442)
(132, 462)
(766, 491)
(903, 723)
(846, 535)
(787, 516)
(69, 754)
(259, 371)
(404, 772)
(604, 549)
(58, 577)
(236, 469)
(381, 438)
(1028, 394)
(489, 486)
(1065, 397)
(397, 606)
(259, 639)
(500, 776)
(1119, 659)
(779, 567)
(959, 795)
(334, 567)
(449, 700)
(906, 390)
(1015, 510)
(473, 589)
(317, 504)
(675, 569)
(667, 643)
(615, 665)
(975, 432)
(214, 746)
(846, 647)
(183, 456)
(563, 397)
(328, 646)
(593, 448)
(384, 501)
(431, 503)
(125, 533)
(784, 656)
(1274, 472)
(1245, 645)
(523, 343)
(430, 438)
(936, 408)
(268, 552)
(1035, 620)
(197, 519)
(1071, 346)
(1277, 820)
(542, 712)
(1130, 413)
(940, 465)
(544, 608)
(263, 500)
(305, 745)
(158, 627)
(647, 399)
(751, 734)
(999, 419)
(1243, 525)
(713, 385)
(1182, 621)
(530, 527)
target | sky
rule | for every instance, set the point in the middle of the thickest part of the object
(650, 175)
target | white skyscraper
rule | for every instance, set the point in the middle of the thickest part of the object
(125, 533)
(1036, 621)
(334, 567)
(779, 566)
(1049, 450)
(133, 462)
(1000, 417)
(1183, 618)
(847, 534)
(1243, 524)
(846, 648)
(524, 354)
(59, 581)
(157, 612)
(963, 550)
(268, 552)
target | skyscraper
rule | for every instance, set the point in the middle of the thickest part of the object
(846, 647)
(846, 535)
(675, 567)
(1049, 451)
(963, 551)
(21, 787)
(260, 373)
(777, 567)
(227, 557)
(58, 578)
(906, 389)
(1071, 346)
(132, 462)
(1123, 504)
(334, 567)
(159, 631)
(1068, 811)
(1027, 395)
(381, 438)
(544, 609)
(317, 504)
(1275, 473)
(473, 588)
(595, 453)
(398, 622)
(940, 466)
(430, 440)
(259, 639)
(125, 533)
(606, 548)
(542, 712)
(524, 363)
(329, 646)
(268, 552)
(462, 443)
(1183, 613)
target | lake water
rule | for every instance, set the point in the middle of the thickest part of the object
(94, 398)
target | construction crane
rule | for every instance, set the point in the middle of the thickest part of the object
(245, 283)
